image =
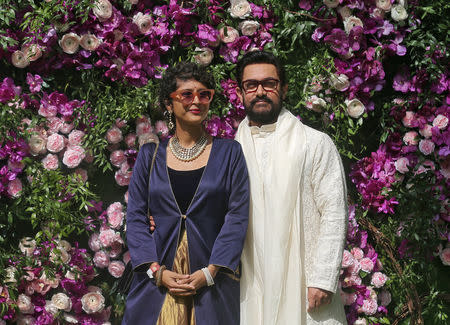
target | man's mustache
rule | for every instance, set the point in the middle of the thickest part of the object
(262, 98)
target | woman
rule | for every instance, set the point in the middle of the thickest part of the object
(199, 200)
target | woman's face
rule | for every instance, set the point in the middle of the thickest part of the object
(190, 102)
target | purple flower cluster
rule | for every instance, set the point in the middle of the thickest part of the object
(361, 281)
(12, 151)
(361, 34)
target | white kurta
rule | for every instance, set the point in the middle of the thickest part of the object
(297, 226)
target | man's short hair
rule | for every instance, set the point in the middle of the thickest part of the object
(255, 57)
(182, 71)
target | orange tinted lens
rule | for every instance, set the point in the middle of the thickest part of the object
(205, 96)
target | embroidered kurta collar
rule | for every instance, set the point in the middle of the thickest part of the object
(266, 128)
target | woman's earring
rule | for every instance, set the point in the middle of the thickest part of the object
(170, 125)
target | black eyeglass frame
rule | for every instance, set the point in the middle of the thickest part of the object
(260, 82)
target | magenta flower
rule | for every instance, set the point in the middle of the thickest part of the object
(35, 82)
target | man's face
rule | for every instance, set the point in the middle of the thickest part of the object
(261, 93)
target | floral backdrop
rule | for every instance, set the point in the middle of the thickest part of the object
(78, 85)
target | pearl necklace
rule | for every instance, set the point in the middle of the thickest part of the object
(187, 154)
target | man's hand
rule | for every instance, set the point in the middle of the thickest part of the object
(317, 298)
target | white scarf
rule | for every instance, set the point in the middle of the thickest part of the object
(271, 218)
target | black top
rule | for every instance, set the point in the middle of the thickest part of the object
(184, 185)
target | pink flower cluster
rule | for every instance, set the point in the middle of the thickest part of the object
(63, 296)
(107, 243)
(361, 281)
(124, 148)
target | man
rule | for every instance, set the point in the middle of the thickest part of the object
(298, 212)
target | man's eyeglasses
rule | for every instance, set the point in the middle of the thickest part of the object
(186, 97)
(269, 85)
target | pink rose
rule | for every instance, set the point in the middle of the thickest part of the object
(355, 267)
(32, 51)
(440, 121)
(76, 137)
(82, 173)
(66, 128)
(73, 156)
(426, 131)
(122, 179)
(445, 256)
(114, 135)
(120, 123)
(161, 129)
(385, 298)
(351, 280)
(228, 34)
(357, 253)
(402, 164)
(445, 167)
(410, 138)
(54, 124)
(143, 127)
(50, 162)
(115, 219)
(130, 140)
(47, 110)
(347, 259)
(113, 207)
(378, 279)
(426, 146)
(55, 143)
(94, 242)
(144, 22)
(115, 251)
(408, 119)
(366, 264)
(117, 158)
(116, 268)
(369, 307)
(348, 298)
(89, 158)
(93, 302)
(24, 304)
(106, 237)
(101, 259)
(14, 188)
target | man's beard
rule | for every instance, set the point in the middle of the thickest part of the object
(265, 117)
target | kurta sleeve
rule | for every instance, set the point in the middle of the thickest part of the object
(139, 240)
(228, 245)
(330, 196)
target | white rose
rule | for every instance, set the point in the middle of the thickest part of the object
(240, 9)
(62, 301)
(64, 244)
(70, 318)
(384, 4)
(248, 27)
(89, 42)
(354, 108)
(205, 56)
(143, 22)
(50, 307)
(228, 34)
(24, 304)
(38, 144)
(360, 321)
(20, 59)
(92, 302)
(10, 274)
(339, 82)
(315, 103)
(102, 9)
(345, 12)
(331, 3)
(351, 22)
(27, 246)
(398, 13)
(59, 255)
(70, 43)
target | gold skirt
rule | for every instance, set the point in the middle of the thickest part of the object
(178, 310)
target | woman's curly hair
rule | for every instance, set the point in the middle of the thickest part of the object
(182, 71)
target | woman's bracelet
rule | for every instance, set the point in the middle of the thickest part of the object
(208, 276)
(159, 275)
